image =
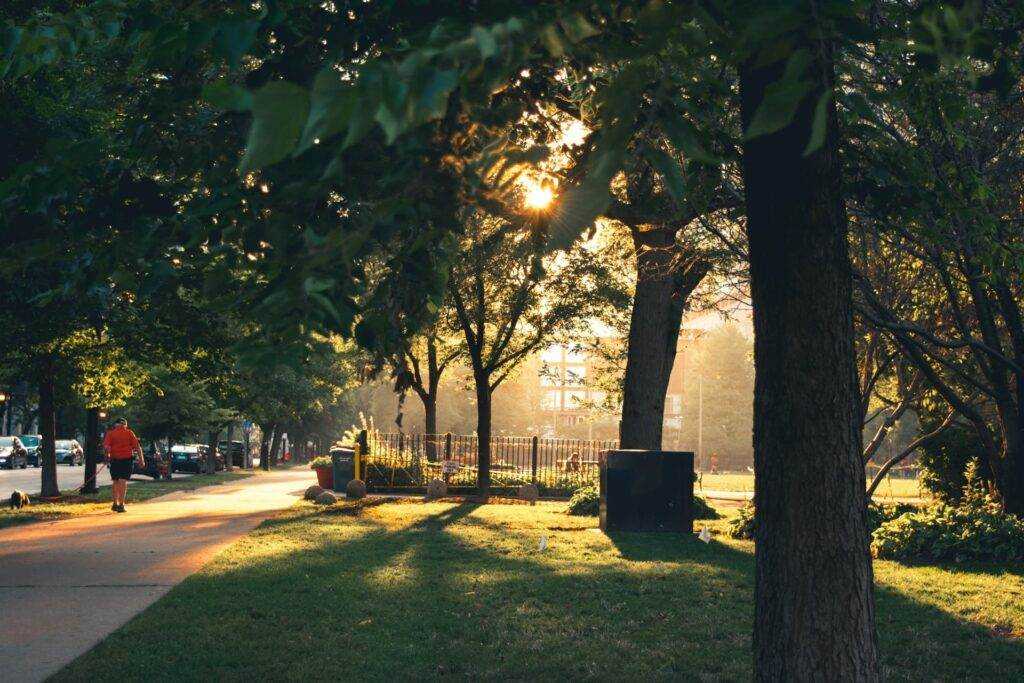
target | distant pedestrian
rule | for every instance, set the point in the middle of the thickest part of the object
(121, 446)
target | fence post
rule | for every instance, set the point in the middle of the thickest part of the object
(533, 459)
(448, 446)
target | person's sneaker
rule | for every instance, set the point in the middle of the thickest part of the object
(120, 508)
(114, 507)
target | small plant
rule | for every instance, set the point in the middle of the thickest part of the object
(585, 501)
(320, 461)
(742, 525)
(352, 433)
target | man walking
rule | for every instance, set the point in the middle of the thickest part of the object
(120, 444)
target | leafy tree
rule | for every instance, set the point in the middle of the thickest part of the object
(509, 301)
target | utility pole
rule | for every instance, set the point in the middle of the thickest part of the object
(700, 420)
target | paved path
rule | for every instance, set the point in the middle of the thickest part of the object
(67, 584)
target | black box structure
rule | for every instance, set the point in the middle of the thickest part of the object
(344, 462)
(646, 490)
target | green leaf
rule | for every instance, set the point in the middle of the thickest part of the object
(577, 27)
(234, 38)
(782, 98)
(433, 100)
(484, 41)
(670, 171)
(685, 137)
(330, 110)
(777, 109)
(227, 96)
(313, 284)
(279, 112)
(552, 40)
(819, 125)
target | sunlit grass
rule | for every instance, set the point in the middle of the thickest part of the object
(138, 491)
(413, 590)
(891, 487)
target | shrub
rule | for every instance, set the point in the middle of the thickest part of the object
(976, 529)
(585, 501)
(880, 513)
(742, 526)
(944, 460)
(703, 510)
(320, 461)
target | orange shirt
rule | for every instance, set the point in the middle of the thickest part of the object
(120, 442)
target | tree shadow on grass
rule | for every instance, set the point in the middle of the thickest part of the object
(456, 594)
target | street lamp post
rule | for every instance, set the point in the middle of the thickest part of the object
(3, 413)
(92, 448)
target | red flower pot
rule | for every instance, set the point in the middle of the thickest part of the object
(325, 477)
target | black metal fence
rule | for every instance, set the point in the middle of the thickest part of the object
(407, 461)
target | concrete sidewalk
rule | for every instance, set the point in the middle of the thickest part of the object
(67, 584)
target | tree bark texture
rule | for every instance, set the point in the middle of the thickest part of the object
(48, 430)
(814, 600)
(92, 449)
(664, 282)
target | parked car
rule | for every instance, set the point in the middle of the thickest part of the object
(153, 457)
(236, 449)
(12, 453)
(69, 451)
(32, 442)
(190, 457)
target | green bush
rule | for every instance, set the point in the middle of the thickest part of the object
(585, 501)
(703, 510)
(976, 529)
(742, 525)
(947, 533)
(320, 461)
(944, 460)
(880, 513)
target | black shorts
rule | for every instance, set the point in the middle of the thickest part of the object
(121, 469)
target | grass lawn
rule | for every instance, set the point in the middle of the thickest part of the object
(421, 590)
(72, 503)
(891, 487)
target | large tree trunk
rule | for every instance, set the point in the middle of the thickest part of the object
(1009, 474)
(211, 456)
(265, 448)
(275, 444)
(663, 284)
(814, 601)
(92, 449)
(48, 430)
(430, 425)
(483, 434)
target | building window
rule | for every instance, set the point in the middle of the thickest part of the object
(575, 375)
(574, 400)
(551, 400)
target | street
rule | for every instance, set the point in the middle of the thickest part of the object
(68, 477)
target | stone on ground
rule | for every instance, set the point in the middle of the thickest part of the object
(312, 492)
(436, 489)
(326, 498)
(355, 489)
(529, 492)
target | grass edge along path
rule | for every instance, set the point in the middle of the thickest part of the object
(72, 503)
(413, 590)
